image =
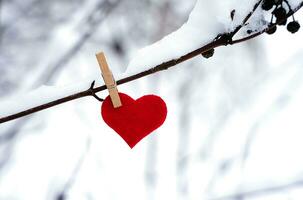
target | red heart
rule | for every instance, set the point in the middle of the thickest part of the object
(135, 119)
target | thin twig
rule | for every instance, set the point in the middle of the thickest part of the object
(93, 93)
(237, 29)
(221, 40)
(290, 13)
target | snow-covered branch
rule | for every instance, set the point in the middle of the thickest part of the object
(182, 51)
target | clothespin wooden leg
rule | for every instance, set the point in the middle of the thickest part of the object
(109, 80)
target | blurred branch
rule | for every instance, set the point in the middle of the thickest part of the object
(221, 40)
(278, 103)
(21, 14)
(262, 191)
(183, 145)
(1, 26)
(93, 20)
(105, 7)
(71, 181)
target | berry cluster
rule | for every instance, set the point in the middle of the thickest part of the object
(280, 14)
(280, 11)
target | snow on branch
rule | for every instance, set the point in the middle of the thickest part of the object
(198, 35)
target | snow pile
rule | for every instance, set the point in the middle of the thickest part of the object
(44, 94)
(200, 29)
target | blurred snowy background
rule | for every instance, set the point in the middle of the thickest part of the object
(234, 126)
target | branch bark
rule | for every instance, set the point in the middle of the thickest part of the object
(222, 39)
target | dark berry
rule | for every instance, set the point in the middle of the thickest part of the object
(267, 4)
(293, 26)
(249, 31)
(209, 53)
(271, 30)
(278, 2)
(283, 22)
(280, 14)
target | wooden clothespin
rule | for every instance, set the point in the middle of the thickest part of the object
(109, 80)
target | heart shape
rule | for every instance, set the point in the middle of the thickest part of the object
(135, 119)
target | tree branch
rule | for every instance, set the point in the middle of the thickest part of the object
(221, 40)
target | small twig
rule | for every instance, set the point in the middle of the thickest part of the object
(288, 5)
(221, 40)
(290, 9)
(93, 93)
(237, 29)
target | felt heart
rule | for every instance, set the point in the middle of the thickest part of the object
(135, 119)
